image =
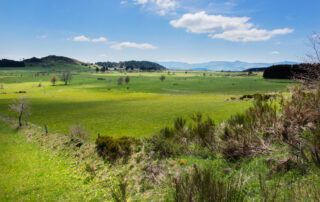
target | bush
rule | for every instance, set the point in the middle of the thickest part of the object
(112, 149)
(301, 126)
(120, 81)
(78, 132)
(247, 134)
(201, 185)
(183, 139)
(162, 78)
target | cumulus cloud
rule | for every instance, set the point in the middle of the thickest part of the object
(201, 22)
(227, 28)
(83, 38)
(127, 44)
(162, 7)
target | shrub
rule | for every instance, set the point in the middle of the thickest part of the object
(301, 126)
(247, 134)
(162, 78)
(127, 80)
(112, 149)
(78, 132)
(204, 131)
(202, 185)
(53, 80)
(185, 139)
(120, 81)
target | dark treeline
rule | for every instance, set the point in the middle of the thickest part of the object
(11, 63)
(285, 71)
(132, 65)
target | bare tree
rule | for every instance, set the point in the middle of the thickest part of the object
(310, 74)
(66, 77)
(22, 108)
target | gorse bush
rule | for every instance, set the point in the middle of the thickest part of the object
(112, 149)
(247, 134)
(301, 124)
(202, 186)
(183, 138)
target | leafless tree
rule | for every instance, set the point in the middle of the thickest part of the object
(66, 77)
(22, 108)
(310, 74)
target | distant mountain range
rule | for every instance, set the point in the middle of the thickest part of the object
(219, 65)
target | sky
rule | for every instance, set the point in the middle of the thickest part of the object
(159, 30)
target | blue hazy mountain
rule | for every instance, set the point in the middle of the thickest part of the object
(219, 65)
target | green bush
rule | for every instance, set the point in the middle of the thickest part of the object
(112, 149)
(201, 185)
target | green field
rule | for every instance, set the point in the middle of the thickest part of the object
(138, 109)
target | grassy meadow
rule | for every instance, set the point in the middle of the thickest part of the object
(140, 108)
(30, 173)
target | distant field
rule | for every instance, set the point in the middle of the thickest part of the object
(141, 108)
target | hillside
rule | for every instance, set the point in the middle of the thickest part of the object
(52, 60)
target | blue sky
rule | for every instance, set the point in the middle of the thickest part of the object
(158, 30)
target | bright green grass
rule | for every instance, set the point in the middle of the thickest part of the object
(139, 109)
(29, 173)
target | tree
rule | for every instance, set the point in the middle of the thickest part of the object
(97, 69)
(22, 108)
(66, 77)
(310, 70)
(162, 78)
(54, 80)
(120, 81)
(127, 80)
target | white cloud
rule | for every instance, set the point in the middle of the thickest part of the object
(162, 7)
(83, 38)
(125, 45)
(201, 22)
(227, 28)
(99, 40)
(275, 53)
(250, 35)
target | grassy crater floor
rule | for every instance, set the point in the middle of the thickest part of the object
(139, 108)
